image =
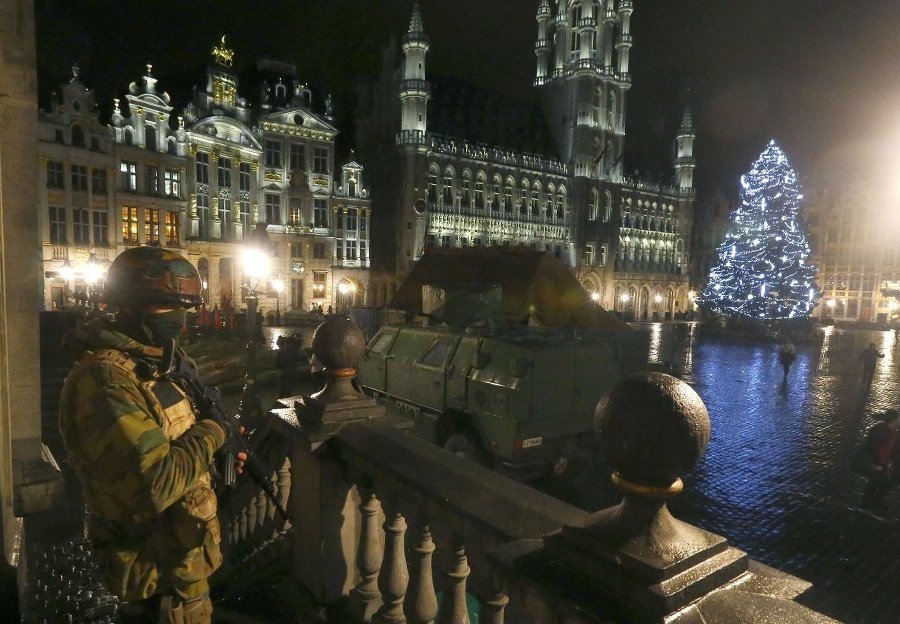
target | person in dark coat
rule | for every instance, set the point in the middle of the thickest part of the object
(882, 448)
(869, 359)
(786, 356)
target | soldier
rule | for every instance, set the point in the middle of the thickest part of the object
(141, 451)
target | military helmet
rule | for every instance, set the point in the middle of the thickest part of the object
(143, 276)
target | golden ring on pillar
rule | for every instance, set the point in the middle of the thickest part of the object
(343, 372)
(650, 491)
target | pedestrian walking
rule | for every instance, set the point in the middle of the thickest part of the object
(786, 356)
(875, 459)
(138, 444)
(869, 359)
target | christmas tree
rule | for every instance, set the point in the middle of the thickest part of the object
(762, 271)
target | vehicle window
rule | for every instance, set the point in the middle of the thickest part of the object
(381, 343)
(437, 354)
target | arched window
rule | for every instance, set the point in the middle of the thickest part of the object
(523, 198)
(536, 199)
(548, 206)
(150, 136)
(466, 198)
(595, 205)
(129, 136)
(607, 207)
(172, 146)
(561, 203)
(479, 191)
(495, 200)
(432, 185)
(447, 188)
(508, 195)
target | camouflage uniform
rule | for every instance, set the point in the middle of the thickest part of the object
(143, 459)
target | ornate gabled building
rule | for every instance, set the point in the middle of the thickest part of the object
(76, 194)
(454, 165)
(200, 184)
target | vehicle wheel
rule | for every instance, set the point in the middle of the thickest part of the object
(466, 446)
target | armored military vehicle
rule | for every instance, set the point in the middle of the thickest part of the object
(515, 398)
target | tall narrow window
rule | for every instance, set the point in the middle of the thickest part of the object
(81, 227)
(350, 249)
(432, 186)
(203, 215)
(128, 170)
(79, 178)
(351, 219)
(172, 183)
(294, 206)
(273, 153)
(320, 213)
(224, 173)
(245, 215)
(447, 189)
(588, 255)
(298, 157)
(150, 138)
(362, 250)
(58, 225)
(479, 194)
(320, 160)
(173, 229)
(151, 225)
(56, 177)
(98, 181)
(100, 225)
(244, 176)
(129, 225)
(273, 208)
(151, 179)
(225, 216)
(202, 168)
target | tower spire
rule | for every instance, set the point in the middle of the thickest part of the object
(415, 22)
(685, 163)
(414, 89)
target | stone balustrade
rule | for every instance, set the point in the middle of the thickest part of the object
(391, 529)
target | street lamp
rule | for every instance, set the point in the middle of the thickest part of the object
(344, 289)
(255, 261)
(278, 285)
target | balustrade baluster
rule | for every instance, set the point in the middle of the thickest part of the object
(260, 516)
(394, 578)
(365, 596)
(453, 606)
(421, 600)
(283, 487)
(491, 610)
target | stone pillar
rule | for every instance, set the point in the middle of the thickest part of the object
(653, 428)
(324, 497)
(21, 451)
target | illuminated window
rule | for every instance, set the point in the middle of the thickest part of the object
(173, 229)
(320, 281)
(151, 225)
(129, 225)
(588, 255)
(171, 182)
(129, 175)
(294, 207)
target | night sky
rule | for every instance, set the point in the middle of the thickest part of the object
(822, 77)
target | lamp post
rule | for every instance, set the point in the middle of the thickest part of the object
(255, 260)
(278, 285)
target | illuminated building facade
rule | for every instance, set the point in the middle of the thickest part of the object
(199, 183)
(454, 166)
(856, 246)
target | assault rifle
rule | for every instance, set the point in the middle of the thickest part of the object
(206, 398)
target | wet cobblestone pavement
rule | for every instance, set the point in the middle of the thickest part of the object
(775, 479)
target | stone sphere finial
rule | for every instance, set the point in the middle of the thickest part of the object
(339, 343)
(653, 428)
